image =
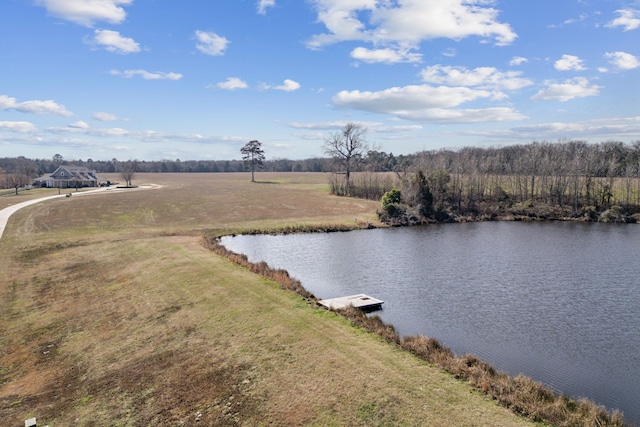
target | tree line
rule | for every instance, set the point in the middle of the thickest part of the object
(40, 167)
(575, 176)
(568, 179)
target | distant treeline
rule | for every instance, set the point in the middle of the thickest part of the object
(46, 166)
(379, 161)
(606, 159)
(569, 174)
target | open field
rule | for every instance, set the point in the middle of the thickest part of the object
(113, 313)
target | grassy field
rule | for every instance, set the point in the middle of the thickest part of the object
(112, 312)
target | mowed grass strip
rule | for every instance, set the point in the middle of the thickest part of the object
(112, 316)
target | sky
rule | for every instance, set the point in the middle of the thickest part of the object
(198, 79)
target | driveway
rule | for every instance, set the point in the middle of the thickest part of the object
(6, 213)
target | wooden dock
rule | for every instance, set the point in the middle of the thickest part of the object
(361, 301)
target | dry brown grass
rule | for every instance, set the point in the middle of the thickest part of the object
(191, 203)
(520, 394)
(112, 312)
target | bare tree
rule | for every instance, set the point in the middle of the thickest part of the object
(128, 170)
(348, 148)
(253, 156)
(17, 180)
(23, 171)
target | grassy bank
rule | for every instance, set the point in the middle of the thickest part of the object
(521, 394)
(112, 312)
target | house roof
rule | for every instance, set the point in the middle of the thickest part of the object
(68, 173)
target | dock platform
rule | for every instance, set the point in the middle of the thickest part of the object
(361, 301)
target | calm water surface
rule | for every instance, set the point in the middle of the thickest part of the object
(559, 302)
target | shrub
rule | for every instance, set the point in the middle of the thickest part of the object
(391, 201)
(590, 213)
(391, 197)
(614, 214)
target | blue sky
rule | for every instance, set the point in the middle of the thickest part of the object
(196, 79)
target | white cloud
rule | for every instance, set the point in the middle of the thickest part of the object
(19, 127)
(114, 42)
(7, 103)
(425, 103)
(610, 128)
(580, 18)
(570, 89)
(407, 23)
(384, 55)
(334, 125)
(551, 128)
(288, 86)
(86, 12)
(449, 52)
(43, 107)
(602, 129)
(482, 115)
(35, 107)
(79, 128)
(118, 132)
(104, 117)
(568, 63)
(79, 125)
(377, 127)
(629, 19)
(398, 129)
(623, 60)
(518, 60)
(264, 4)
(398, 99)
(482, 77)
(147, 75)
(232, 83)
(210, 43)
(155, 136)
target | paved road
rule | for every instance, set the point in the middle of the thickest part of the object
(8, 211)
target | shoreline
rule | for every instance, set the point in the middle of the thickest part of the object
(191, 300)
(521, 395)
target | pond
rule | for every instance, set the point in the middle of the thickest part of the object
(556, 301)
